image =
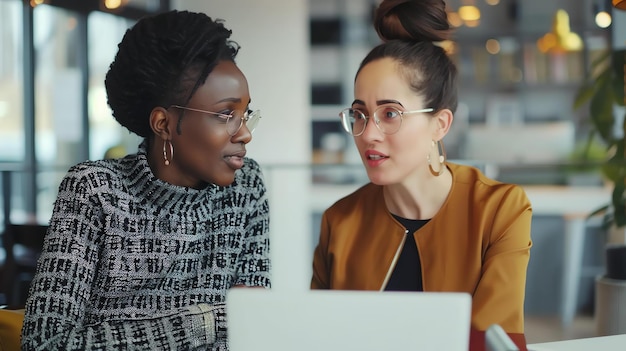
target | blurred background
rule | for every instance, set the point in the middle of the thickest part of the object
(521, 65)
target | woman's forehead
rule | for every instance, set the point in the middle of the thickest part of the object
(225, 83)
(379, 81)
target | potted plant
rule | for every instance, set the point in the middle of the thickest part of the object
(603, 92)
(583, 163)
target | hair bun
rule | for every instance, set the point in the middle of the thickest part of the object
(415, 20)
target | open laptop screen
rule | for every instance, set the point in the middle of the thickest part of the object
(260, 319)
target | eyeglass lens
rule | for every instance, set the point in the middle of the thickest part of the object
(236, 120)
(388, 120)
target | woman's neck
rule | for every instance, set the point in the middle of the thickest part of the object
(418, 199)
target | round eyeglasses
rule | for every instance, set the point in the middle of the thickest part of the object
(234, 120)
(388, 119)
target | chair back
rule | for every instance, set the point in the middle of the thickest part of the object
(11, 329)
(22, 244)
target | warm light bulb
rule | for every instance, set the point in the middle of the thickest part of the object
(472, 24)
(454, 19)
(561, 38)
(469, 13)
(112, 4)
(492, 46)
(603, 19)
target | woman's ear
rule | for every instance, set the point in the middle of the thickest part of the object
(443, 120)
(160, 120)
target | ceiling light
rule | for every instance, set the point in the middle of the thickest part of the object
(603, 19)
(469, 13)
(560, 39)
(472, 24)
(492, 46)
(454, 19)
(114, 4)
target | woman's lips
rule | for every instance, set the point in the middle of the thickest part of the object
(374, 158)
(235, 161)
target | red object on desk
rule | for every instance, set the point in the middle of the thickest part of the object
(477, 340)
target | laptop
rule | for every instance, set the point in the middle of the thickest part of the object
(328, 320)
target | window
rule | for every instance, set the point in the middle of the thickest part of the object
(11, 83)
(54, 112)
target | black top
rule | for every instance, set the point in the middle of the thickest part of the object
(407, 274)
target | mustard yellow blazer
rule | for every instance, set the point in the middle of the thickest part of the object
(479, 242)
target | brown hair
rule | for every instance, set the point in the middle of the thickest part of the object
(409, 30)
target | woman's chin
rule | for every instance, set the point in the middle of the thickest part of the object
(224, 181)
(377, 178)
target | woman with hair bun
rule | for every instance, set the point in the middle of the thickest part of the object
(141, 250)
(422, 223)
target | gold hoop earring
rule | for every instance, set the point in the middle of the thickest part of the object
(441, 151)
(167, 161)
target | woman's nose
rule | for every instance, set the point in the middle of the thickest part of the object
(243, 135)
(372, 130)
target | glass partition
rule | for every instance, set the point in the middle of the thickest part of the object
(12, 151)
(60, 136)
(106, 136)
(11, 83)
(58, 102)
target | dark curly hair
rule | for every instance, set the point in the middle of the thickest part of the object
(161, 61)
(409, 30)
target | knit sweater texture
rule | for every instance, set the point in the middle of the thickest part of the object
(131, 262)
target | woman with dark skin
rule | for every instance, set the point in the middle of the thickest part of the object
(142, 250)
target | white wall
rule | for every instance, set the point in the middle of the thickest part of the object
(274, 56)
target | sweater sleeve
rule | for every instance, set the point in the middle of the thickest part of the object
(499, 296)
(55, 317)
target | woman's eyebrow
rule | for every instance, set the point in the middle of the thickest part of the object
(230, 99)
(384, 102)
(358, 102)
(378, 103)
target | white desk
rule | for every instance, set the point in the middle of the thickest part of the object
(573, 203)
(601, 343)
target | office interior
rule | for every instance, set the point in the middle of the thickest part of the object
(515, 119)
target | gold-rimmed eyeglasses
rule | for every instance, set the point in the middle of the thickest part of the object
(233, 120)
(388, 119)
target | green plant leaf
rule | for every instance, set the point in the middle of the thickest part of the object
(601, 59)
(601, 110)
(583, 95)
(619, 207)
(604, 88)
(617, 83)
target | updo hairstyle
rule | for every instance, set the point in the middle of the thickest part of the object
(410, 31)
(161, 61)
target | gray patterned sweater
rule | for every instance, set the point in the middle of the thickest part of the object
(131, 262)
